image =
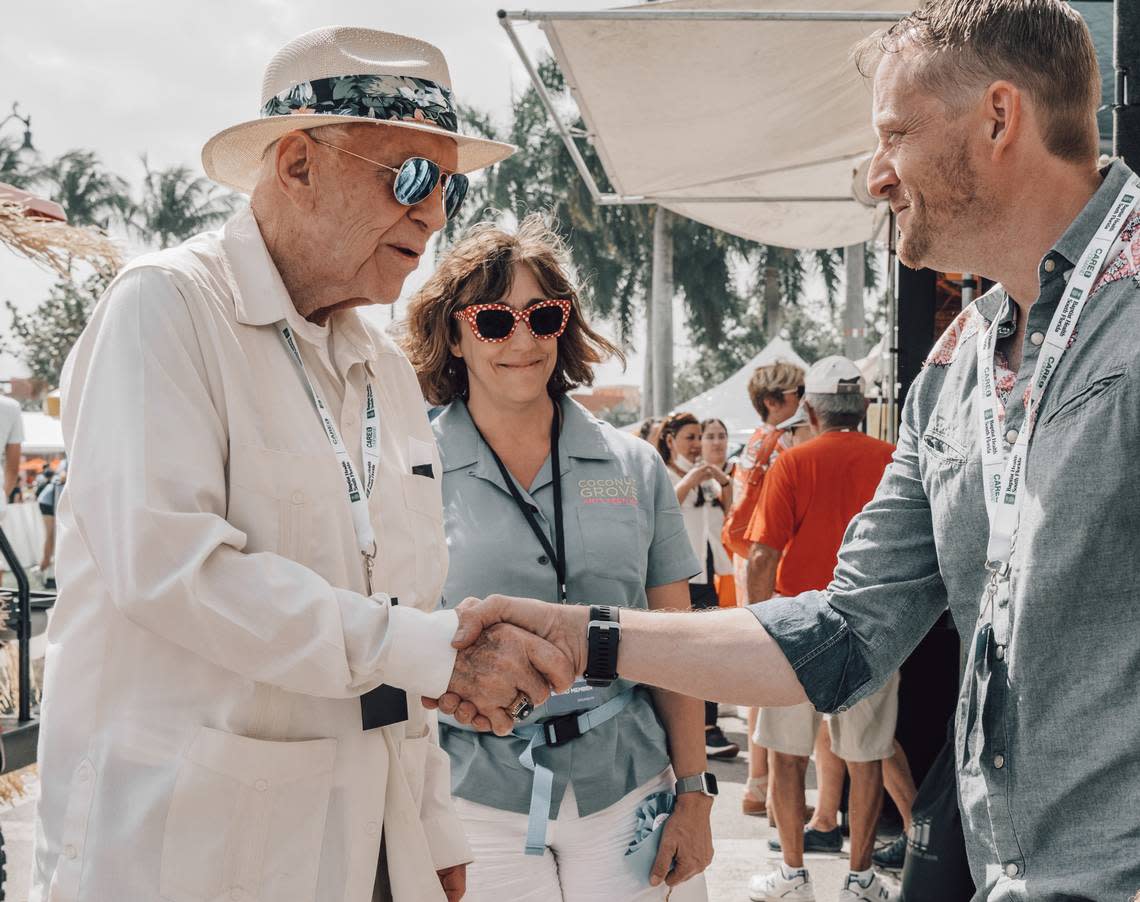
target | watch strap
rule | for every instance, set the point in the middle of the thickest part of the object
(602, 637)
(704, 783)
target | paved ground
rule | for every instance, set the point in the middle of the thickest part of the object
(741, 842)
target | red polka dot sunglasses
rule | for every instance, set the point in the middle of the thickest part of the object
(497, 322)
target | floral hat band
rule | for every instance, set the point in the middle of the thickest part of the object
(398, 97)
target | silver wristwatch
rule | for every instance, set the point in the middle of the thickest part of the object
(704, 783)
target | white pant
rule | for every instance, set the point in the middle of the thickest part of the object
(583, 858)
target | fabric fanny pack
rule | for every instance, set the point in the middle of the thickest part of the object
(555, 730)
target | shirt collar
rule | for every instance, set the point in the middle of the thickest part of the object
(1077, 236)
(582, 436)
(1068, 248)
(261, 299)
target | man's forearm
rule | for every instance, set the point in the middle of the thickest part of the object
(722, 656)
(761, 573)
(11, 468)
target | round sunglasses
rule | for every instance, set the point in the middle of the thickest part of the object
(416, 179)
(497, 322)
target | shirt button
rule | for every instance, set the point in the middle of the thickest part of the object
(1011, 436)
(1000, 652)
(298, 497)
(543, 559)
(372, 828)
(1011, 870)
(1050, 265)
(999, 761)
(70, 852)
(1037, 338)
(261, 785)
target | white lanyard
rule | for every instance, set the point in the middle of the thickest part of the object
(369, 449)
(1003, 469)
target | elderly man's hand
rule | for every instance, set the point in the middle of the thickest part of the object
(491, 671)
(554, 626)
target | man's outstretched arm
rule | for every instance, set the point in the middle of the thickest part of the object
(723, 656)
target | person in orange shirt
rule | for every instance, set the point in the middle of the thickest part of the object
(775, 391)
(810, 494)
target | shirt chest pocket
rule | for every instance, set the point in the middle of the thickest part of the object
(1094, 397)
(281, 501)
(615, 541)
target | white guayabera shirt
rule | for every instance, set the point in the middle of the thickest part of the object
(201, 734)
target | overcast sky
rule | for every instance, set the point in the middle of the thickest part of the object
(124, 77)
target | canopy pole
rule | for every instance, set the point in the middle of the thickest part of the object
(662, 302)
(647, 406)
(854, 318)
(1126, 61)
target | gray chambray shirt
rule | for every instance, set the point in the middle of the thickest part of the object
(1048, 721)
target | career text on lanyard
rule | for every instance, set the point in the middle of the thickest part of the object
(358, 493)
(1004, 469)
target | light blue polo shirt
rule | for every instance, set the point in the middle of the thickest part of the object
(623, 533)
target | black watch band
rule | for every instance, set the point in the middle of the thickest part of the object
(602, 637)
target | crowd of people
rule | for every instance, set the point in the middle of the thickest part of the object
(775, 519)
(311, 644)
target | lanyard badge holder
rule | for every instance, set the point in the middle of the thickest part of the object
(384, 705)
(1004, 470)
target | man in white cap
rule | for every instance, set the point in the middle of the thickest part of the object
(251, 546)
(810, 495)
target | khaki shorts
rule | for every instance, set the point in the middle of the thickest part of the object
(864, 732)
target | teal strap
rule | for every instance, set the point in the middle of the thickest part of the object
(542, 785)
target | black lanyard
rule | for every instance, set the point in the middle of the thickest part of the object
(557, 558)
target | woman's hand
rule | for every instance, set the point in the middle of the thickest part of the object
(712, 471)
(686, 843)
(454, 881)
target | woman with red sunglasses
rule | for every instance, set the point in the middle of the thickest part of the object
(543, 500)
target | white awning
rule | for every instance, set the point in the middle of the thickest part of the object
(42, 434)
(730, 108)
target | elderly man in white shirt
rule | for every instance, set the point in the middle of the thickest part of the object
(251, 548)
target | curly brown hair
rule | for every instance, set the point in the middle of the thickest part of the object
(479, 269)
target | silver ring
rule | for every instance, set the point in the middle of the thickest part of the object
(521, 708)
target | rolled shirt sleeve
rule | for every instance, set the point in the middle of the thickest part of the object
(886, 593)
(671, 557)
(148, 497)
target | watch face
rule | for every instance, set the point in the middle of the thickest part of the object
(710, 784)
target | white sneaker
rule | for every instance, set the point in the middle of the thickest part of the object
(876, 891)
(775, 887)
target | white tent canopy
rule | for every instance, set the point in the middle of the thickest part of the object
(729, 107)
(729, 401)
(42, 434)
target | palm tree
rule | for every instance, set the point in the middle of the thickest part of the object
(176, 204)
(16, 169)
(89, 194)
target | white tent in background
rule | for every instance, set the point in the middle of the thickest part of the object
(874, 365)
(43, 435)
(729, 401)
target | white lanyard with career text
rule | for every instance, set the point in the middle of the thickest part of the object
(358, 492)
(1004, 469)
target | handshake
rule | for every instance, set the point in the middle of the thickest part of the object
(510, 648)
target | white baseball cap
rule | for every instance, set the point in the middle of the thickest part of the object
(834, 376)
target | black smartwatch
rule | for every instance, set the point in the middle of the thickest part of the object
(602, 637)
(703, 783)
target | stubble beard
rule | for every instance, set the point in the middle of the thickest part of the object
(936, 231)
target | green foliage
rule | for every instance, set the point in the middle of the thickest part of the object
(42, 338)
(15, 168)
(175, 204)
(89, 194)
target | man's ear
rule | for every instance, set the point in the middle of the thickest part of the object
(1004, 115)
(296, 168)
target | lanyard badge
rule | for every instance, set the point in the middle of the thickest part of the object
(358, 492)
(1003, 469)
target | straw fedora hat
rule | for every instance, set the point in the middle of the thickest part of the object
(346, 75)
